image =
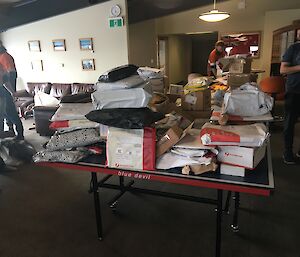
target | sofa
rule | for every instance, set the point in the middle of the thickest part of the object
(42, 114)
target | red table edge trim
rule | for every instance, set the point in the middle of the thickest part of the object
(173, 180)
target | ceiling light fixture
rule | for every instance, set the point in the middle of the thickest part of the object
(214, 15)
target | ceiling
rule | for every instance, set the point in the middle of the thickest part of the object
(18, 12)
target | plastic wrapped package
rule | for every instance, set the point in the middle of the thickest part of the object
(72, 111)
(137, 97)
(73, 139)
(71, 125)
(126, 83)
(253, 135)
(131, 148)
(150, 73)
(60, 156)
(247, 101)
(127, 118)
(118, 73)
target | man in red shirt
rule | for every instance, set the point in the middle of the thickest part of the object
(214, 57)
(8, 64)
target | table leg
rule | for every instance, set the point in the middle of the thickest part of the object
(219, 222)
(97, 205)
(227, 204)
(235, 226)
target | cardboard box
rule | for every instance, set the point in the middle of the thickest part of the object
(176, 89)
(171, 138)
(236, 80)
(240, 65)
(245, 157)
(197, 101)
(226, 169)
(198, 114)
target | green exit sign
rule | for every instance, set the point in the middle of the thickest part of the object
(116, 22)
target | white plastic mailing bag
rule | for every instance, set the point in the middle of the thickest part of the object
(72, 111)
(137, 97)
(43, 99)
(130, 82)
(131, 148)
(150, 73)
(247, 101)
(253, 135)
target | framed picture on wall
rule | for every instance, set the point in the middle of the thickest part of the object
(86, 44)
(88, 64)
(37, 65)
(59, 44)
(242, 43)
(34, 45)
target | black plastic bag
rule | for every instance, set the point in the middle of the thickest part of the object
(118, 73)
(14, 152)
(126, 118)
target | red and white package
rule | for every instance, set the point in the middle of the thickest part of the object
(72, 124)
(131, 148)
(253, 135)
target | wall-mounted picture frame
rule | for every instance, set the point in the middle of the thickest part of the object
(34, 46)
(243, 43)
(88, 64)
(59, 44)
(37, 65)
(86, 44)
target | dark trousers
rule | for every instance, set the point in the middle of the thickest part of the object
(292, 113)
(10, 113)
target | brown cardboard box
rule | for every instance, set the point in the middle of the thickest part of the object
(240, 65)
(176, 89)
(197, 101)
(171, 138)
(236, 80)
(198, 114)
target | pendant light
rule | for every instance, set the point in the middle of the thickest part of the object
(214, 15)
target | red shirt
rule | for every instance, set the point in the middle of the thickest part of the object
(213, 60)
(7, 62)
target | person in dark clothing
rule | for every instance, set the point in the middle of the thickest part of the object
(8, 108)
(290, 66)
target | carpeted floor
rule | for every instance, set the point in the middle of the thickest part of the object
(48, 212)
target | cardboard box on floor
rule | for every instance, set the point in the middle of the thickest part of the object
(245, 157)
(172, 137)
(197, 101)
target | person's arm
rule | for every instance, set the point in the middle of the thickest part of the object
(285, 68)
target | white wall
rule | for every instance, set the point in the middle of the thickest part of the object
(110, 45)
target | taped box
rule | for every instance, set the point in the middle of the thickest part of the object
(240, 65)
(236, 80)
(246, 157)
(197, 101)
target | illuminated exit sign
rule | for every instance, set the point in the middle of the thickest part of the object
(116, 22)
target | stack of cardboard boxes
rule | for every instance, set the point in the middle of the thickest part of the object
(240, 72)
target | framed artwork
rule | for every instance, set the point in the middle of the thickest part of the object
(86, 44)
(246, 43)
(88, 64)
(34, 45)
(59, 44)
(37, 65)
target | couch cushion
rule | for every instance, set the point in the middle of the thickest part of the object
(78, 88)
(59, 90)
(33, 87)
